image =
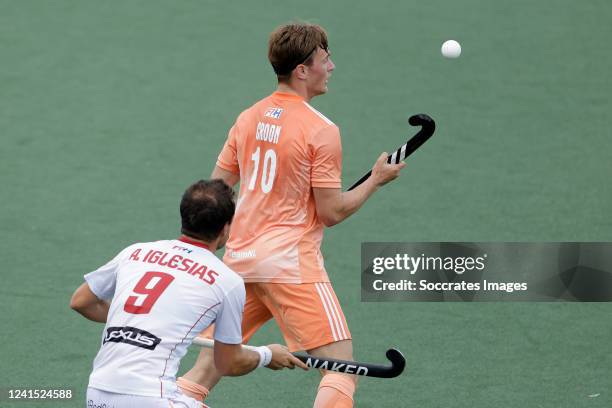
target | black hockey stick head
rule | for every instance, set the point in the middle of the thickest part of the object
(428, 126)
(423, 120)
(398, 363)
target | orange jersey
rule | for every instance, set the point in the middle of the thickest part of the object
(281, 147)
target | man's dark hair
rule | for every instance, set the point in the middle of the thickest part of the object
(206, 206)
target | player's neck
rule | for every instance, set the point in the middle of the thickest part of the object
(210, 245)
(294, 89)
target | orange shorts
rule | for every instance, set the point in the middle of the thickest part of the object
(308, 314)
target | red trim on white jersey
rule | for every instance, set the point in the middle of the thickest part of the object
(184, 238)
(161, 384)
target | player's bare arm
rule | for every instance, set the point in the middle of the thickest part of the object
(234, 360)
(85, 302)
(230, 178)
(334, 206)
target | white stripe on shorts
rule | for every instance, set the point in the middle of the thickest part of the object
(333, 312)
(331, 325)
(342, 331)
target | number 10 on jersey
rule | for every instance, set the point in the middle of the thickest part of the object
(268, 171)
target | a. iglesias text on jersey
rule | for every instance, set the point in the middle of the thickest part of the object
(475, 271)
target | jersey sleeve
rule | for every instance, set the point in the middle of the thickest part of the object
(228, 158)
(326, 153)
(228, 325)
(102, 281)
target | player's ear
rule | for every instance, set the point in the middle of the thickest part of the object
(223, 236)
(225, 232)
(300, 72)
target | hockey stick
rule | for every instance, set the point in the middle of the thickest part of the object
(398, 362)
(427, 129)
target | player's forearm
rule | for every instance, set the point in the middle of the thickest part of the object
(85, 302)
(97, 312)
(243, 363)
(231, 179)
(349, 202)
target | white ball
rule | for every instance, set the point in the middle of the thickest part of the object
(451, 49)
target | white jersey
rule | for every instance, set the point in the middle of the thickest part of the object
(163, 294)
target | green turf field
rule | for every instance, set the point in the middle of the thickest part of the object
(108, 110)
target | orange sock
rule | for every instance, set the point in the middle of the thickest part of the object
(335, 391)
(192, 389)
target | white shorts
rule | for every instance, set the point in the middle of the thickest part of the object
(104, 399)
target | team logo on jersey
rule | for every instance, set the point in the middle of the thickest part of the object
(243, 254)
(180, 248)
(273, 113)
(131, 335)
